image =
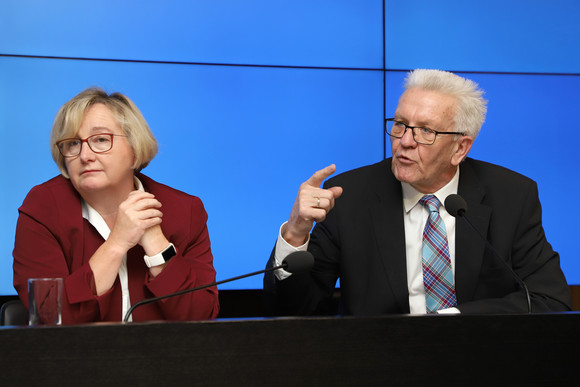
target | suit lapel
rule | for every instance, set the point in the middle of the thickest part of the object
(386, 211)
(469, 248)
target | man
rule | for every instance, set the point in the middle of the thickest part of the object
(382, 231)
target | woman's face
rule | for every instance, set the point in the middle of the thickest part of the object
(111, 171)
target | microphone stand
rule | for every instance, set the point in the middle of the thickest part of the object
(490, 247)
(179, 293)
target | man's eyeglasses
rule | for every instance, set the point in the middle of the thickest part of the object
(421, 135)
(99, 143)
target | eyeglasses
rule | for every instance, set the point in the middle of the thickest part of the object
(421, 135)
(99, 143)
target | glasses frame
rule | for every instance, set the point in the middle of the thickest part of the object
(88, 143)
(387, 120)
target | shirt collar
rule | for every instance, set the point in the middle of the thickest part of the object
(411, 196)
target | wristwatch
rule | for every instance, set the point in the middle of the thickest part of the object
(162, 257)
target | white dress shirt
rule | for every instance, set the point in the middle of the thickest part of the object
(94, 218)
(415, 219)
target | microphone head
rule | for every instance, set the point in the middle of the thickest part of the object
(455, 205)
(298, 261)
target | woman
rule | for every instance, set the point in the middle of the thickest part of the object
(114, 235)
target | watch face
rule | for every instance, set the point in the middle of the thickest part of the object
(169, 253)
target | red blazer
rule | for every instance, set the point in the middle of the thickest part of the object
(54, 240)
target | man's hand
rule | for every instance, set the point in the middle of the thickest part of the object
(311, 205)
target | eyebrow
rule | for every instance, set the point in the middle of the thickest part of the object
(100, 129)
(423, 124)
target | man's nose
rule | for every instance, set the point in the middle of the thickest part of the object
(408, 138)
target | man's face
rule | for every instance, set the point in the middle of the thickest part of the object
(427, 167)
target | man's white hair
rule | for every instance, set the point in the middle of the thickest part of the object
(471, 106)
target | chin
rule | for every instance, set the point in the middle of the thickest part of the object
(403, 174)
(90, 185)
(89, 188)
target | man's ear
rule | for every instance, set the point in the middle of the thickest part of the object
(463, 146)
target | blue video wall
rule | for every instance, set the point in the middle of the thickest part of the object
(248, 98)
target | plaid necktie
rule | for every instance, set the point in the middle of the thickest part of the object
(437, 273)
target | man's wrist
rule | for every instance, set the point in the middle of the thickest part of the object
(292, 238)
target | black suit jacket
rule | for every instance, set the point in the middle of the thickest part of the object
(362, 242)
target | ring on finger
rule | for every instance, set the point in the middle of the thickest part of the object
(318, 202)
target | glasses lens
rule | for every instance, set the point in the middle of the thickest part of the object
(70, 147)
(101, 142)
(424, 135)
(421, 135)
(395, 128)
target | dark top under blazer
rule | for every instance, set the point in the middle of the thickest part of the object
(362, 242)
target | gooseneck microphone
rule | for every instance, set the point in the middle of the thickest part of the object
(457, 207)
(295, 262)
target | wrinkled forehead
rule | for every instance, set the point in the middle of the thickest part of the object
(419, 107)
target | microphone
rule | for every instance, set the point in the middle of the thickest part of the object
(457, 207)
(295, 262)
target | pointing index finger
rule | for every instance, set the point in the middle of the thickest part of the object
(319, 176)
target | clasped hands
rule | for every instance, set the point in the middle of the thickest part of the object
(138, 221)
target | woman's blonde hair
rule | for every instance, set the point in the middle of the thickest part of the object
(70, 116)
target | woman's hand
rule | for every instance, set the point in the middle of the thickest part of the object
(138, 220)
(139, 213)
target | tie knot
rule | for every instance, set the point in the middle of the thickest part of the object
(430, 202)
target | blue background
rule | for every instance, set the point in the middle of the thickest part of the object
(248, 98)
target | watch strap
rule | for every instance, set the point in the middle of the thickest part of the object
(159, 259)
